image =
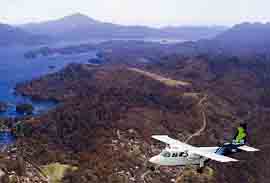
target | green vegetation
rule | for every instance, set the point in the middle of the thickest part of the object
(190, 175)
(56, 171)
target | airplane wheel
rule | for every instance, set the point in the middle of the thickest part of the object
(152, 168)
(200, 170)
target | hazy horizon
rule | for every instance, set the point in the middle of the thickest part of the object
(155, 13)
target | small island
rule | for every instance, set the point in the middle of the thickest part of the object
(3, 107)
(95, 61)
(27, 109)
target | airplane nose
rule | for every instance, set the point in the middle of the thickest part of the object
(154, 159)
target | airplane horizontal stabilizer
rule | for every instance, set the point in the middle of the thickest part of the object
(247, 148)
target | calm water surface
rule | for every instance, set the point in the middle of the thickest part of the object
(14, 68)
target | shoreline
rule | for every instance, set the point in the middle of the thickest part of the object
(40, 105)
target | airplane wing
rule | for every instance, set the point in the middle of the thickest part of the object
(208, 149)
(247, 148)
(212, 156)
(167, 140)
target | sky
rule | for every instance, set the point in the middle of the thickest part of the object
(139, 12)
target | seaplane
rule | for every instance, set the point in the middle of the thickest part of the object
(178, 153)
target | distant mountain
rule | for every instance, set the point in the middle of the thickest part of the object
(55, 27)
(195, 33)
(10, 35)
(243, 40)
(246, 34)
(81, 27)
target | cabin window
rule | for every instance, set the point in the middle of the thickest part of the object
(174, 155)
(183, 154)
(166, 154)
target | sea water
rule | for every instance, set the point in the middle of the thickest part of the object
(15, 68)
(6, 138)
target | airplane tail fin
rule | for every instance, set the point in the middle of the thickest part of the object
(238, 143)
(240, 137)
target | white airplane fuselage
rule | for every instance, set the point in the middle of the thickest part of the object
(175, 157)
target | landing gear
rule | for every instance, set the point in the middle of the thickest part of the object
(202, 164)
(153, 168)
(200, 170)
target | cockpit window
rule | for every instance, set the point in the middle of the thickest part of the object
(166, 154)
(174, 155)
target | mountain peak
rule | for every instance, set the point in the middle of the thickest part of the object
(79, 18)
(78, 14)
